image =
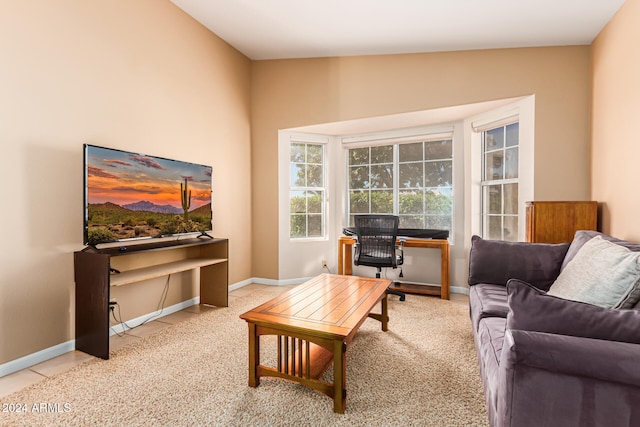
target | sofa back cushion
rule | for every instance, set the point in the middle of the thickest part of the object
(533, 310)
(497, 261)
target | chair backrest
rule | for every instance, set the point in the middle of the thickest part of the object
(376, 246)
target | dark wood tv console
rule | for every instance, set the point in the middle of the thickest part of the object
(135, 263)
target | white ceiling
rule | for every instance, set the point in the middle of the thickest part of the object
(275, 29)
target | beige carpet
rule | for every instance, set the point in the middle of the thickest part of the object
(423, 372)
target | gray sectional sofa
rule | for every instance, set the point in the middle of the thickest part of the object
(547, 357)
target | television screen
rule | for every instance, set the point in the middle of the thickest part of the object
(136, 196)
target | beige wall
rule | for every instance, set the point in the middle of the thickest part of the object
(291, 93)
(616, 112)
(136, 75)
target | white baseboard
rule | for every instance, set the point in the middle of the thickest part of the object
(60, 349)
(37, 357)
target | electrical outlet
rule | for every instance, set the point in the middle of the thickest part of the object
(324, 263)
(113, 301)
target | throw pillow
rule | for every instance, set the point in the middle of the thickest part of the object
(497, 261)
(601, 273)
(533, 310)
(583, 236)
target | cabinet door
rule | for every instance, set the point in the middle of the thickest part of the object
(557, 222)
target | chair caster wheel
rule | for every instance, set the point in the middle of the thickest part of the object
(402, 297)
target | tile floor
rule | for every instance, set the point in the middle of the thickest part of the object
(21, 379)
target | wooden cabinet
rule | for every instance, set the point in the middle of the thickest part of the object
(557, 222)
(94, 277)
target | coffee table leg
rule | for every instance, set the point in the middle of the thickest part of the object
(254, 355)
(339, 376)
(385, 314)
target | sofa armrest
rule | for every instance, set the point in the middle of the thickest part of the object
(551, 379)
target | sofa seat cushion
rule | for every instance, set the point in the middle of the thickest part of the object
(533, 310)
(601, 273)
(497, 261)
(487, 300)
(489, 341)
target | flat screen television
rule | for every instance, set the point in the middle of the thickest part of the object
(129, 196)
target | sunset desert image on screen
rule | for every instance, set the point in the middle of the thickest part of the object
(135, 196)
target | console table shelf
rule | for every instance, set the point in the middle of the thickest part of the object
(94, 276)
(154, 271)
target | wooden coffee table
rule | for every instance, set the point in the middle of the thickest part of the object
(314, 323)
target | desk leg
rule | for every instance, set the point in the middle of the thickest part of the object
(254, 355)
(339, 376)
(348, 261)
(340, 257)
(444, 272)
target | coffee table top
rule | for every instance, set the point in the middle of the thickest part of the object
(328, 305)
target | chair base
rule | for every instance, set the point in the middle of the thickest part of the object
(402, 295)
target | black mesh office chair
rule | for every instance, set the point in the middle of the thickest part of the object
(376, 244)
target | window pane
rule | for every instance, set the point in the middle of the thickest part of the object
(297, 202)
(438, 222)
(359, 156)
(511, 199)
(382, 176)
(314, 201)
(511, 163)
(359, 177)
(438, 174)
(494, 139)
(382, 202)
(436, 203)
(383, 154)
(296, 175)
(513, 134)
(315, 226)
(314, 176)
(298, 224)
(297, 153)
(411, 221)
(438, 150)
(410, 202)
(493, 199)
(495, 228)
(510, 228)
(411, 175)
(359, 202)
(493, 165)
(314, 153)
(410, 152)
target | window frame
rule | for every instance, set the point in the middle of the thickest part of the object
(396, 139)
(485, 183)
(323, 189)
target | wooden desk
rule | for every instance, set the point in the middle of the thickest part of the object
(345, 264)
(314, 323)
